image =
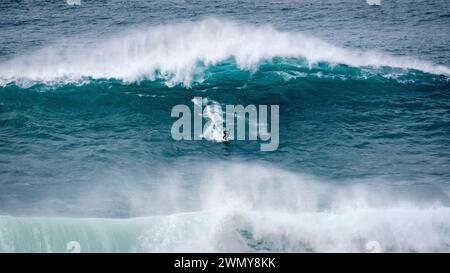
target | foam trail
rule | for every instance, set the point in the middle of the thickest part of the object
(179, 53)
(213, 114)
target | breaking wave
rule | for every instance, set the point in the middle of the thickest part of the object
(253, 208)
(181, 53)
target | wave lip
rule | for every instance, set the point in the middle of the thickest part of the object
(179, 53)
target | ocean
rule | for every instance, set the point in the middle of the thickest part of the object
(88, 162)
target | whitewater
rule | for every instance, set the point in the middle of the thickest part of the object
(254, 208)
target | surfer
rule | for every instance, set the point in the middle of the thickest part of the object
(226, 135)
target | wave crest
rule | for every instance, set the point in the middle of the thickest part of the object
(180, 53)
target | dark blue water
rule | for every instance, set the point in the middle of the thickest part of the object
(86, 93)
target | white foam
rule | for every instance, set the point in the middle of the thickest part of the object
(180, 52)
(243, 207)
(213, 129)
(251, 207)
(73, 2)
(373, 2)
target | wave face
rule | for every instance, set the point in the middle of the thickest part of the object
(181, 53)
(87, 161)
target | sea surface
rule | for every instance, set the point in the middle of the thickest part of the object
(88, 162)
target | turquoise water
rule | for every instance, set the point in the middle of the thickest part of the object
(86, 152)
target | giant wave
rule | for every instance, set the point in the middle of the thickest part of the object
(181, 53)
